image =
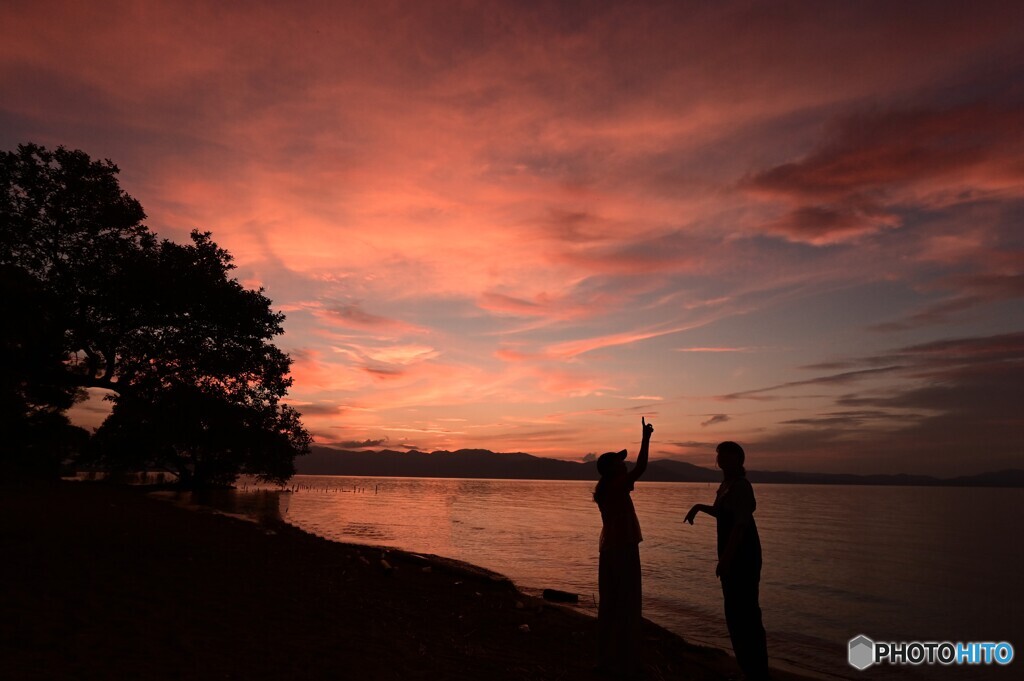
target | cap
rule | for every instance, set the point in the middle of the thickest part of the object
(608, 459)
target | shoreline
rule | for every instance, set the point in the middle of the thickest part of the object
(120, 585)
(261, 513)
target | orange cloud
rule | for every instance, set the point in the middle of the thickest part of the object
(458, 206)
(570, 349)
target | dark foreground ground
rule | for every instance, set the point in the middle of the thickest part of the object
(104, 582)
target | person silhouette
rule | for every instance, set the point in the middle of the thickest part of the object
(739, 561)
(619, 586)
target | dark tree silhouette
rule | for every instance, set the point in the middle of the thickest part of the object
(37, 436)
(163, 326)
(200, 436)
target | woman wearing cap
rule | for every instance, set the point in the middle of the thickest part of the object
(739, 561)
(618, 613)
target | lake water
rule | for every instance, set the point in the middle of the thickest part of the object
(893, 563)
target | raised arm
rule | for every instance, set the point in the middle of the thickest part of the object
(641, 458)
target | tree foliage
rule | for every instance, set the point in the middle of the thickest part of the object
(37, 435)
(161, 325)
(200, 436)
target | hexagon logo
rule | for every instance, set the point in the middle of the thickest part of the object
(862, 652)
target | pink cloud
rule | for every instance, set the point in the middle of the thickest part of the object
(873, 164)
(570, 349)
(477, 199)
(511, 355)
(310, 373)
(353, 316)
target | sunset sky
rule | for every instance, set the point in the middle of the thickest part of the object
(522, 225)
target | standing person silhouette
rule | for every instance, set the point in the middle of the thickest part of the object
(619, 610)
(739, 561)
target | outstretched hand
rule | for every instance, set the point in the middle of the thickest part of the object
(648, 428)
(692, 514)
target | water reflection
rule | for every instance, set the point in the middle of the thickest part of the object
(265, 506)
(366, 531)
(894, 563)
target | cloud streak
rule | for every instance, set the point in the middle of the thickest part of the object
(501, 213)
(954, 394)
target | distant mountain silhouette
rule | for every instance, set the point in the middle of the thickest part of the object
(464, 463)
(483, 463)
(1011, 477)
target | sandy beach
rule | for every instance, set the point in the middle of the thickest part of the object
(100, 581)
